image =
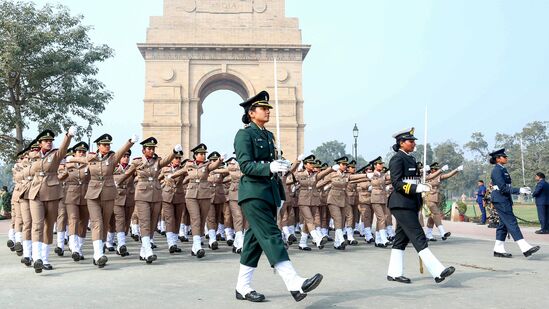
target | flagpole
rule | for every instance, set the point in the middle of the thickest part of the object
(522, 159)
(278, 147)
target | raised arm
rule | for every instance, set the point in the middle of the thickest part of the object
(167, 160)
(323, 174)
(129, 172)
(433, 175)
(120, 152)
(452, 173)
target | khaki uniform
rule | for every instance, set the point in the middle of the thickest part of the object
(61, 224)
(365, 203)
(101, 191)
(45, 192)
(25, 175)
(148, 191)
(308, 199)
(173, 196)
(351, 210)
(433, 197)
(199, 194)
(77, 207)
(215, 215)
(239, 222)
(379, 198)
(124, 203)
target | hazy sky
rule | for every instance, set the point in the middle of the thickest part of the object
(477, 65)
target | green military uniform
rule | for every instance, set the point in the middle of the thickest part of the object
(259, 195)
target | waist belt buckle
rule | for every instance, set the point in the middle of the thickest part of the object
(41, 174)
(150, 179)
(29, 177)
(197, 180)
(100, 177)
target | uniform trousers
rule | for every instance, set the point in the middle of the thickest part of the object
(61, 217)
(435, 217)
(100, 217)
(198, 211)
(147, 214)
(26, 217)
(408, 230)
(78, 217)
(337, 214)
(381, 215)
(263, 235)
(238, 218)
(44, 215)
(507, 222)
(172, 215)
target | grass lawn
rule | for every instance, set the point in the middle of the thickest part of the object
(526, 211)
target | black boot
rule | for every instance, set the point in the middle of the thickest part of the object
(253, 296)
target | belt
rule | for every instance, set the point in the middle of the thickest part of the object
(263, 162)
(413, 181)
(149, 179)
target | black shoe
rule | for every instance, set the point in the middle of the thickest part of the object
(153, 246)
(47, 267)
(445, 273)
(214, 245)
(27, 261)
(18, 247)
(200, 254)
(253, 296)
(81, 257)
(353, 243)
(11, 244)
(369, 241)
(163, 233)
(400, 279)
(330, 239)
(101, 262)
(380, 245)
(38, 265)
(356, 233)
(59, 251)
(183, 239)
(291, 239)
(341, 247)
(432, 239)
(75, 256)
(66, 241)
(230, 242)
(123, 251)
(110, 249)
(541, 232)
(305, 248)
(218, 237)
(135, 237)
(234, 249)
(172, 249)
(177, 249)
(298, 296)
(502, 255)
(311, 283)
(239, 250)
(446, 235)
(531, 251)
(323, 241)
(151, 259)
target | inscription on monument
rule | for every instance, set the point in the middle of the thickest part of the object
(224, 6)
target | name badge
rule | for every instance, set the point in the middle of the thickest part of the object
(412, 169)
(49, 160)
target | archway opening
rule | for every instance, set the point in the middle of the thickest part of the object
(220, 120)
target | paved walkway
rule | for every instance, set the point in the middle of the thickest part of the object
(354, 278)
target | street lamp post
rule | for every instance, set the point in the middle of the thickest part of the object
(355, 135)
(89, 136)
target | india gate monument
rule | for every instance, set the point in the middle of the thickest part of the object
(201, 46)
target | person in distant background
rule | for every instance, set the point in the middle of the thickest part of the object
(541, 193)
(480, 201)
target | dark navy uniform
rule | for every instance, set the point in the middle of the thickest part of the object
(503, 202)
(405, 202)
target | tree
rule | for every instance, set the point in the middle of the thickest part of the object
(418, 154)
(329, 151)
(47, 69)
(478, 145)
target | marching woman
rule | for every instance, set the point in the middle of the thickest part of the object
(15, 242)
(434, 178)
(379, 182)
(102, 191)
(352, 206)
(198, 198)
(75, 201)
(148, 192)
(124, 203)
(308, 201)
(61, 225)
(44, 195)
(365, 205)
(216, 218)
(239, 222)
(260, 194)
(405, 202)
(173, 198)
(337, 197)
(503, 202)
(26, 173)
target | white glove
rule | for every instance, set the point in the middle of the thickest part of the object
(422, 188)
(426, 168)
(72, 131)
(444, 168)
(169, 176)
(278, 167)
(177, 148)
(301, 157)
(370, 175)
(370, 188)
(525, 190)
(495, 187)
(460, 168)
(134, 139)
(388, 187)
(68, 159)
(335, 167)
